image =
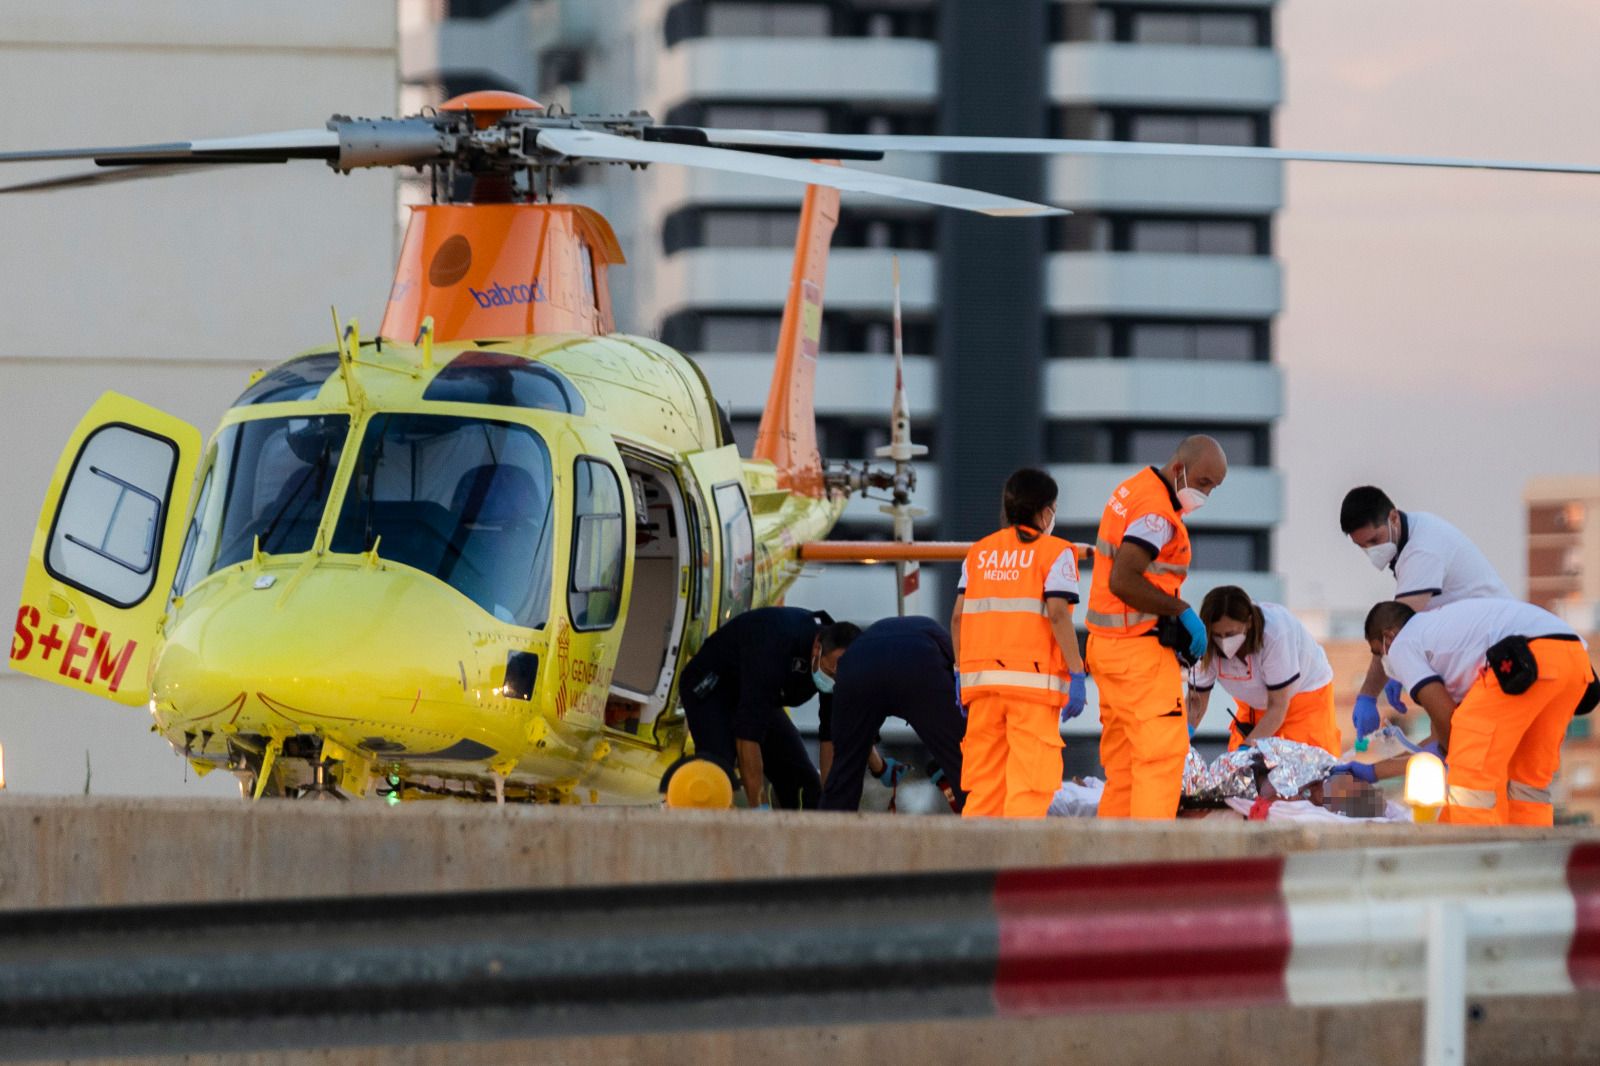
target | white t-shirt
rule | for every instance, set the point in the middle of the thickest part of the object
(1062, 580)
(1448, 644)
(1152, 529)
(1437, 557)
(1289, 658)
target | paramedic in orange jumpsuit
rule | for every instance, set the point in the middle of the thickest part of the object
(1502, 751)
(1017, 655)
(1137, 624)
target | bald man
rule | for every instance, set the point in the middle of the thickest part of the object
(1142, 633)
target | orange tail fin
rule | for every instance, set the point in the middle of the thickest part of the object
(788, 433)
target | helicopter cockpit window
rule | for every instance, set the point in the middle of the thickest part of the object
(268, 483)
(504, 381)
(595, 591)
(298, 379)
(463, 499)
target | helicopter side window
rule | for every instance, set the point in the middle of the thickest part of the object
(269, 483)
(298, 379)
(738, 550)
(463, 499)
(504, 381)
(595, 591)
(105, 538)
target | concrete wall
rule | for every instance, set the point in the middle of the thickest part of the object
(77, 852)
(171, 291)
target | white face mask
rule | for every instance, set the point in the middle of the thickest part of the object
(1383, 554)
(1229, 646)
(1388, 670)
(1189, 500)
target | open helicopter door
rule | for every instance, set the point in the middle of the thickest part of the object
(720, 474)
(105, 551)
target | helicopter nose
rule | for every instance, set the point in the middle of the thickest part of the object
(335, 644)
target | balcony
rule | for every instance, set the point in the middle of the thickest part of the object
(847, 384)
(804, 70)
(1159, 389)
(1127, 283)
(1148, 75)
(1251, 497)
(737, 279)
(1106, 183)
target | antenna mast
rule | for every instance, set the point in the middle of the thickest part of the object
(908, 575)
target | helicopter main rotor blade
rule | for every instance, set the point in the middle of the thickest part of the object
(276, 147)
(588, 144)
(133, 172)
(758, 139)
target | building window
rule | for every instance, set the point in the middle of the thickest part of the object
(1195, 237)
(842, 332)
(1231, 549)
(1236, 128)
(1178, 128)
(720, 227)
(740, 333)
(689, 19)
(845, 436)
(1235, 29)
(725, 19)
(1149, 444)
(1213, 342)
(1247, 550)
(1221, 25)
(1209, 341)
(1165, 234)
(1544, 518)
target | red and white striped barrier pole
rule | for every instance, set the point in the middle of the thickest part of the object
(1311, 929)
(1433, 923)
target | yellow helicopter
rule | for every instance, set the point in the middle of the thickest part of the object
(467, 556)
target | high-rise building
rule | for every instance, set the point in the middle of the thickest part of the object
(1564, 547)
(1564, 578)
(1090, 343)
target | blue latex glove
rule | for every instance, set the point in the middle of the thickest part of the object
(1077, 697)
(1197, 632)
(1359, 770)
(1391, 692)
(962, 707)
(1432, 748)
(1191, 732)
(893, 771)
(1365, 716)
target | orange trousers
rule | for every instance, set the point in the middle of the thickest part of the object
(1505, 750)
(1311, 719)
(1010, 757)
(1144, 733)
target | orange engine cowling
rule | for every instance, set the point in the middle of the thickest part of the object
(503, 270)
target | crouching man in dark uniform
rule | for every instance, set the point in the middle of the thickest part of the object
(736, 687)
(903, 667)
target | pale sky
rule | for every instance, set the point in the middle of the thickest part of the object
(1441, 337)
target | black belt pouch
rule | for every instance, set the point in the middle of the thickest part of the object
(1513, 664)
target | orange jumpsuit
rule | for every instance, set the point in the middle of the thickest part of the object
(1311, 719)
(1505, 750)
(1014, 678)
(1144, 732)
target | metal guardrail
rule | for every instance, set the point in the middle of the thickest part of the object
(1324, 928)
